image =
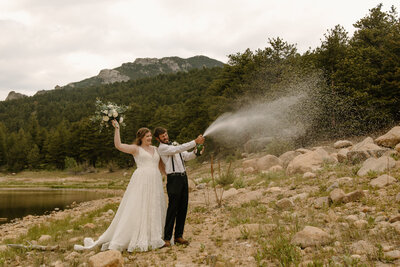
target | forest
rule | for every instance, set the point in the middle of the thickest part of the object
(358, 81)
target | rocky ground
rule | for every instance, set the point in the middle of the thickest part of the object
(336, 205)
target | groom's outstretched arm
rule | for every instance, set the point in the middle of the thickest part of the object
(168, 150)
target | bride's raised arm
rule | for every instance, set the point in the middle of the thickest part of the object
(130, 149)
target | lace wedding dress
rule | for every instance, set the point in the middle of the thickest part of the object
(138, 224)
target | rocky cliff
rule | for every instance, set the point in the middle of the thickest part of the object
(14, 95)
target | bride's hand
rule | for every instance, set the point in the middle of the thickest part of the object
(115, 124)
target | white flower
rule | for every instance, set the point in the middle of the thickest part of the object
(121, 120)
(175, 143)
(114, 113)
(110, 113)
(105, 112)
(106, 118)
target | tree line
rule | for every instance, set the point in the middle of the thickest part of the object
(358, 80)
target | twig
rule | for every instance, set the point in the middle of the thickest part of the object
(37, 247)
(214, 184)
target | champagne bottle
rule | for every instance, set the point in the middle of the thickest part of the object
(199, 148)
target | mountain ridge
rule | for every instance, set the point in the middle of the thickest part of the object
(139, 68)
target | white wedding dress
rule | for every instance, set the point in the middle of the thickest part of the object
(138, 224)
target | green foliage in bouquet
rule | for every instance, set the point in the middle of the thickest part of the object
(105, 113)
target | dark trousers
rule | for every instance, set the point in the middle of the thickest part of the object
(178, 196)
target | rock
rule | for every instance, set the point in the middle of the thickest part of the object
(249, 163)
(376, 165)
(382, 181)
(90, 225)
(109, 258)
(395, 225)
(201, 186)
(333, 186)
(342, 144)
(230, 192)
(275, 168)
(274, 189)
(342, 155)
(58, 264)
(353, 196)
(321, 202)
(284, 203)
(362, 247)
(303, 150)
(44, 238)
(364, 150)
(308, 162)
(360, 224)
(352, 218)
(3, 248)
(14, 95)
(397, 148)
(110, 212)
(268, 161)
(390, 139)
(311, 236)
(288, 157)
(337, 195)
(111, 76)
(394, 254)
(309, 175)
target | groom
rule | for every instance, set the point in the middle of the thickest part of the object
(177, 183)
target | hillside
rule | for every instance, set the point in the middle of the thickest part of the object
(146, 67)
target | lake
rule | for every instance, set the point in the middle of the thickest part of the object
(17, 203)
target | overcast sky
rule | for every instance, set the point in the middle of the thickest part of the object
(45, 43)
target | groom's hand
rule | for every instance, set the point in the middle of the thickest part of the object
(200, 139)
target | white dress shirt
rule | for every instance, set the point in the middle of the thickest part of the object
(169, 152)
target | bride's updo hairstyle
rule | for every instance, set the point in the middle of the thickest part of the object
(140, 134)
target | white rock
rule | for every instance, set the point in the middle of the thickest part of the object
(342, 154)
(342, 144)
(230, 192)
(394, 254)
(360, 224)
(352, 218)
(390, 139)
(284, 203)
(311, 236)
(377, 165)
(308, 175)
(382, 181)
(109, 258)
(337, 195)
(309, 162)
(288, 157)
(44, 238)
(275, 168)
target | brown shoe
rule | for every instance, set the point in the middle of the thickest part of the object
(181, 241)
(167, 244)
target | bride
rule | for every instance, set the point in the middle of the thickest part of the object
(138, 224)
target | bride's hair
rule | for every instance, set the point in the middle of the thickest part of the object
(140, 134)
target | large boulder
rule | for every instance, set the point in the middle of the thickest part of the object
(342, 155)
(382, 181)
(287, 157)
(376, 165)
(309, 162)
(364, 150)
(390, 139)
(311, 236)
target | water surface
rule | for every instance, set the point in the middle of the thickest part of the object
(17, 203)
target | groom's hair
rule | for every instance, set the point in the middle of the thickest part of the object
(159, 131)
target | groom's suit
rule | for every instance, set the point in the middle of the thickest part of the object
(177, 185)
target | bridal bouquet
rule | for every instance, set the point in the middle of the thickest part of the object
(105, 113)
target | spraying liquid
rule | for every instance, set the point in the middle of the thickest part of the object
(260, 119)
